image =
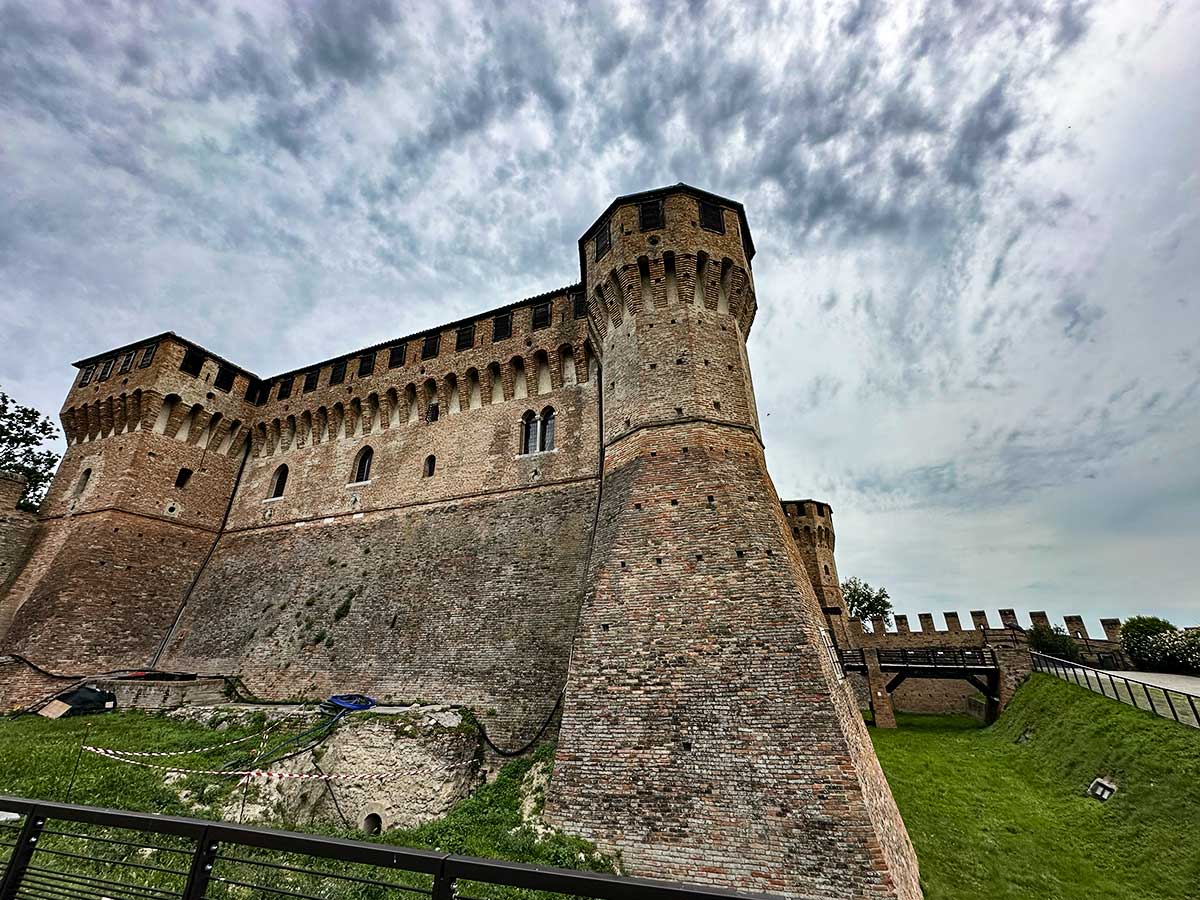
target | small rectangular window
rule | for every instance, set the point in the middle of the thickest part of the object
(429, 349)
(193, 362)
(541, 315)
(396, 356)
(106, 369)
(310, 380)
(603, 240)
(366, 364)
(579, 305)
(224, 379)
(126, 363)
(712, 217)
(184, 476)
(258, 392)
(87, 375)
(338, 373)
(285, 387)
(650, 214)
(433, 412)
(502, 327)
(147, 356)
(465, 339)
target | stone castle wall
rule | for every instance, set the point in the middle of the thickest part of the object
(16, 528)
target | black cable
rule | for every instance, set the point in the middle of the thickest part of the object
(537, 737)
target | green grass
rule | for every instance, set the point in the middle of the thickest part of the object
(994, 816)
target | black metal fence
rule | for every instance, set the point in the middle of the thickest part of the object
(1170, 703)
(938, 658)
(57, 851)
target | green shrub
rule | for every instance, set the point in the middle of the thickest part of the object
(1155, 644)
(1053, 641)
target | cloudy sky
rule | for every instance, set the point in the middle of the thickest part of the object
(977, 228)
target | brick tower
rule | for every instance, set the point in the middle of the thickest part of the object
(155, 439)
(811, 524)
(707, 732)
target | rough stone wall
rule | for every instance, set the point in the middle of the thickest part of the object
(16, 529)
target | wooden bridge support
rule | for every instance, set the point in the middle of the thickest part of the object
(881, 694)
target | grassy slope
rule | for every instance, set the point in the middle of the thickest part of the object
(991, 817)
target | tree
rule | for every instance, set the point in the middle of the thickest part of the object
(1053, 641)
(23, 431)
(865, 602)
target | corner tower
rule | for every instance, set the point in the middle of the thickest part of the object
(707, 732)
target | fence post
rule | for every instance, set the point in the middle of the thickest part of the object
(443, 884)
(27, 840)
(1167, 694)
(202, 865)
(1149, 701)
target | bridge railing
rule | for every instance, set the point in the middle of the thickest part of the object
(1170, 703)
(56, 851)
(938, 658)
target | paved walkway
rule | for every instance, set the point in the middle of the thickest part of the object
(1187, 684)
(1170, 696)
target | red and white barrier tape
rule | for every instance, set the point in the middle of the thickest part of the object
(189, 752)
(119, 756)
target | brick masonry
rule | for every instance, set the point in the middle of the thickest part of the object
(204, 519)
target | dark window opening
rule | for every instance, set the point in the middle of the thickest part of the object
(396, 356)
(184, 476)
(362, 468)
(224, 379)
(147, 356)
(257, 391)
(311, 379)
(126, 363)
(546, 436)
(712, 217)
(650, 214)
(83, 482)
(430, 465)
(579, 306)
(603, 240)
(279, 482)
(431, 414)
(366, 364)
(429, 349)
(537, 432)
(87, 375)
(193, 362)
(541, 315)
(106, 369)
(338, 373)
(285, 387)
(465, 338)
(529, 428)
(502, 327)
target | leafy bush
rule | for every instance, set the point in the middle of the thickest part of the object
(1155, 644)
(1053, 641)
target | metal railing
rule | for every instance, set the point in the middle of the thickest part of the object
(1170, 703)
(57, 851)
(938, 658)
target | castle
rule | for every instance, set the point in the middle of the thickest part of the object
(556, 510)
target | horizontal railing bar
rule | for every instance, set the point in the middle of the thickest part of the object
(239, 860)
(136, 821)
(269, 890)
(95, 837)
(104, 860)
(73, 889)
(99, 883)
(1074, 665)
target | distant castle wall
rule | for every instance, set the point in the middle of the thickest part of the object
(16, 528)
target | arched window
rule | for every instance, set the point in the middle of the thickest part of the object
(362, 466)
(529, 433)
(546, 436)
(430, 465)
(279, 482)
(83, 482)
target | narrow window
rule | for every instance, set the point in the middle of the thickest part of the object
(650, 214)
(701, 276)
(529, 433)
(106, 369)
(496, 382)
(502, 327)
(430, 465)
(224, 379)
(193, 362)
(285, 387)
(83, 482)
(432, 412)
(465, 338)
(579, 306)
(429, 349)
(396, 356)
(184, 476)
(711, 217)
(126, 363)
(338, 373)
(87, 375)
(726, 285)
(644, 277)
(147, 356)
(541, 315)
(279, 482)
(603, 240)
(311, 379)
(672, 282)
(362, 468)
(366, 364)
(546, 432)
